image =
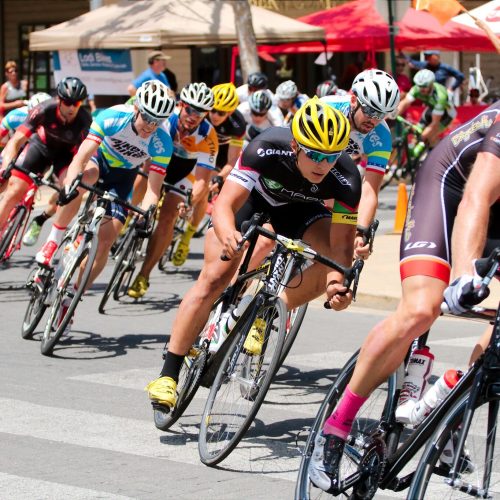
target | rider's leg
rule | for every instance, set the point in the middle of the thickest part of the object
(481, 345)
(162, 235)
(386, 345)
(16, 189)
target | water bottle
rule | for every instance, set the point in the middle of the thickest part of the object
(432, 397)
(418, 149)
(227, 322)
(417, 377)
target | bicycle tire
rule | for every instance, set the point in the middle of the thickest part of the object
(189, 376)
(51, 336)
(380, 402)
(125, 280)
(295, 319)
(10, 232)
(474, 466)
(118, 271)
(35, 309)
(249, 383)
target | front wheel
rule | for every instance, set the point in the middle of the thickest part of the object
(293, 323)
(10, 231)
(38, 284)
(379, 404)
(478, 476)
(242, 381)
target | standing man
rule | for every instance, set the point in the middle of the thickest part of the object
(157, 64)
(442, 71)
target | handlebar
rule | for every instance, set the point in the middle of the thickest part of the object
(368, 233)
(37, 179)
(413, 126)
(351, 274)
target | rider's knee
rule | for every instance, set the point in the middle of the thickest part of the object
(418, 315)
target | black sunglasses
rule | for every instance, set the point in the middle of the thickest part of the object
(256, 113)
(220, 113)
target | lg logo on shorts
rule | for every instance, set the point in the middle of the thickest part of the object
(420, 244)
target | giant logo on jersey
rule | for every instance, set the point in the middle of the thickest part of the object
(127, 149)
(268, 152)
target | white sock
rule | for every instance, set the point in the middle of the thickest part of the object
(56, 233)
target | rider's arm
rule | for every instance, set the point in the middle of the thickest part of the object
(405, 103)
(87, 148)
(367, 208)
(232, 156)
(153, 192)
(200, 186)
(470, 228)
(11, 150)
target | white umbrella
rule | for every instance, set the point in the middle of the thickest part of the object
(489, 13)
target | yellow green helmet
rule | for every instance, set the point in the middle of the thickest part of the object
(226, 98)
(316, 125)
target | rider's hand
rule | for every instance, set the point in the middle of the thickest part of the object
(361, 249)
(216, 184)
(339, 297)
(230, 241)
(459, 295)
(66, 195)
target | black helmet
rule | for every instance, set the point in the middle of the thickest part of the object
(72, 89)
(258, 80)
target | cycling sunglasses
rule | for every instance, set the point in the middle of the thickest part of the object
(69, 102)
(318, 156)
(194, 111)
(370, 112)
(152, 121)
(220, 113)
(255, 113)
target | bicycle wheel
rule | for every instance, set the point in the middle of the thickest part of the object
(241, 383)
(479, 463)
(39, 286)
(189, 376)
(10, 231)
(203, 226)
(59, 315)
(379, 404)
(294, 322)
(169, 252)
(121, 268)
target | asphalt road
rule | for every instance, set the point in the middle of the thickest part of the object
(79, 425)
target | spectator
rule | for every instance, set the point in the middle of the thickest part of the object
(14, 91)
(441, 70)
(403, 81)
(474, 98)
(157, 64)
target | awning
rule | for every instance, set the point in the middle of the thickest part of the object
(165, 23)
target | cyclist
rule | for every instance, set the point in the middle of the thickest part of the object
(285, 173)
(328, 87)
(55, 130)
(471, 152)
(366, 107)
(288, 99)
(440, 109)
(120, 139)
(17, 116)
(193, 161)
(255, 111)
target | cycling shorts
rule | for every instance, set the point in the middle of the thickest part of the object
(37, 158)
(119, 181)
(291, 219)
(426, 119)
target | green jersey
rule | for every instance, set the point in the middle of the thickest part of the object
(439, 100)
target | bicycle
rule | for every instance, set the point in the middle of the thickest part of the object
(79, 245)
(11, 234)
(180, 224)
(405, 159)
(372, 458)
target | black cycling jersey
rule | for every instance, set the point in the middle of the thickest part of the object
(45, 120)
(269, 165)
(437, 192)
(230, 131)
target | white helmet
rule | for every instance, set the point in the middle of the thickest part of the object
(155, 100)
(198, 95)
(377, 89)
(287, 90)
(37, 98)
(424, 78)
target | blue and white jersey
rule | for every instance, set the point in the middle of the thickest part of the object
(12, 120)
(122, 147)
(376, 145)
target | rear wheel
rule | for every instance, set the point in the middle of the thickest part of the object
(39, 285)
(294, 321)
(242, 382)
(366, 422)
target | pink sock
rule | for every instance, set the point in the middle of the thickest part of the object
(340, 421)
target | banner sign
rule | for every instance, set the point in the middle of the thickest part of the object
(104, 72)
